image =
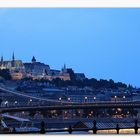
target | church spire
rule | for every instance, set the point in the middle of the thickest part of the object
(64, 66)
(13, 60)
(64, 69)
(13, 57)
(1, 59)
(33, 60)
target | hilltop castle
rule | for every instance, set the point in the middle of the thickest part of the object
(34, 69)
(11, 65)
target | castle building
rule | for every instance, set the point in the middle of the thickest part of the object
(12, 65)
(16, 67)
(80, 76)
(35, 70)
(63, 74)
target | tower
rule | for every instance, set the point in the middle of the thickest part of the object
(33, 60)
(13, 60)
(64, 69)
(1, 60)
(13, 57)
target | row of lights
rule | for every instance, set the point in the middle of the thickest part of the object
(93, 98)
(60, 99)
(6, 102)
(115, 97)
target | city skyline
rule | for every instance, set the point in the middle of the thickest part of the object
(102, 43)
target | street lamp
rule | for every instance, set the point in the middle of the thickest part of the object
(85, 99)
(115, 97)
(68, 99)
(124, 98)
(94, 99)
(60, 99)
(30, 101)
(23, 112)
(16, 102)
(6, 103)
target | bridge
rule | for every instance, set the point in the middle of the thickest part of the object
(49, 104)
(74, 106)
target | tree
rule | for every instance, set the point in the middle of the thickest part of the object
(1, 101)
(5, 73)
(58, 82)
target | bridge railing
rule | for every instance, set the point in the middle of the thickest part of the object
(71, 130)
(62, 101)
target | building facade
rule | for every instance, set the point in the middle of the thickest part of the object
(16, 67)
(35, 70)
(38, 70)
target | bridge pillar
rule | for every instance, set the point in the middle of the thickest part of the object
(13, 130)
(94, 127)
(136, 126)
(42, 130)
(117, 128)
(70, 130)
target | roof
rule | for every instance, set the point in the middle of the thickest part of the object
(80, 125)
(15, 118)
(36, 63)
(17, 62)
(108, 124)
(52, 90)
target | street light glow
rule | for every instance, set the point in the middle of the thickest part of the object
(124, 97)
(15, 102)
(86, 98)
(6, 102)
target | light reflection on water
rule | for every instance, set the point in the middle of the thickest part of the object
(122, 131)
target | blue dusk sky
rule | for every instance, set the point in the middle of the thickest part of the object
(102, 43)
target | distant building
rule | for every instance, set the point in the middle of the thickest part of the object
(63, 74)
(16, 67)
(12, 65)
(36, 68)
(80, 76)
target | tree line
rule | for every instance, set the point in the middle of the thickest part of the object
(93, 83)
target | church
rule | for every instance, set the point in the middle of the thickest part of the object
(11, 65)
(16, 67)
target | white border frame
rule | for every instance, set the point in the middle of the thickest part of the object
(70, 3)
